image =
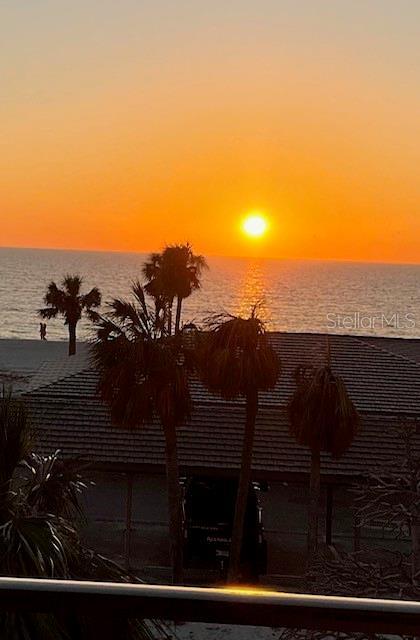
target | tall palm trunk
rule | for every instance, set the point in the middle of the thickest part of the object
(314, 495)
(174, 503)
(72, 338)
(178, 315)
(243, 486)
(169, 319)
(159, 308)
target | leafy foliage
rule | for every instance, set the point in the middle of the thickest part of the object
(53, 485)
(235, 356)
(321, 413)
(174, 273)
(69, 301)
(312, 634)
(322, 417)
(39, 499)
(392, 495)
(142, 372)
(15, 439)
(236, 359)
(368, 573)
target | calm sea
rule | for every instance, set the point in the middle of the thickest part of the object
(369, 299)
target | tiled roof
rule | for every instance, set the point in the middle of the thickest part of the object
(22, 361)
(26, 355)
(378, 381)
(68, 415)
(52, 371)
(210, 440)
(406, 347)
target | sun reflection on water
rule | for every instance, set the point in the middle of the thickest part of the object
(252, 290)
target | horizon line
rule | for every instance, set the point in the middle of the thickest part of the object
(214, 255)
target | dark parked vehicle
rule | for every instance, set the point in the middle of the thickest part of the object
(209, 505)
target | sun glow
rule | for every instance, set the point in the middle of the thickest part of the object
(254, 225)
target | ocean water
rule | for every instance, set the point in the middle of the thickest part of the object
(334, 297)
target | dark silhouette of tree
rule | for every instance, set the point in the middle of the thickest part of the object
(391, 496)
(174, 273)
(322, 417)
(144, 373)
(154, 287)
(387, 497)
(236, 360)
(70, 303)
(39, 505)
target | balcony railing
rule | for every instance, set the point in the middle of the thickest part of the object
(229, 606)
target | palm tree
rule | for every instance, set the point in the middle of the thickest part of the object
(39, 505)
(322, 417)
(70, 303)
(144, 373)
(174, 273)
(154, 287)
(236, 360)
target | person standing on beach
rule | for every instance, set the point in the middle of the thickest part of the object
(43, 330)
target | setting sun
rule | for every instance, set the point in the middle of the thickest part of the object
(254, 225)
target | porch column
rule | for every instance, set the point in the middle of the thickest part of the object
(328, 515)
(128, 519)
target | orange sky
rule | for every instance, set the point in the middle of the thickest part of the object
(125, 129)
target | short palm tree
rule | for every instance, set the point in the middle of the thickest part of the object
(236, 360)
(174, 273)
(143, 373)
(322, 417)
(70, 303)
(39, 506)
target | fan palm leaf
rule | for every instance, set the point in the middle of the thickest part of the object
(322, 416)
(70, 303)
(174, 273)
(52, 486)
(38, 538)
(236, 360)
(143, 375)
(15, 437)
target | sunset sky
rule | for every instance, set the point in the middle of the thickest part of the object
(128, 124)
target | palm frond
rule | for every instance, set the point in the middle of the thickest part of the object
(141, 372)
(145, 312)
(68, 301)
(15, 437)
(52, 485)
(54, 299)
(151, 267)
(176, 272)
(36, 546)
(33, 626)
(321, 413)
(92, 299)
(49, 312)
(72, 285)
(236, 357)
(39, 497)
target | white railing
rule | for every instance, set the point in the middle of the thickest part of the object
(227, 605)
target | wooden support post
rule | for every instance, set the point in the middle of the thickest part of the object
(357, 535)
(128, 520)
(328, 515)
